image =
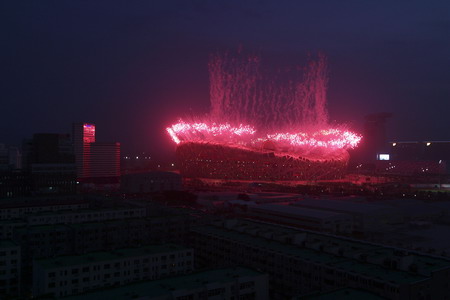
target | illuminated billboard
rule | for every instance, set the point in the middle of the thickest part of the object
(383, 156)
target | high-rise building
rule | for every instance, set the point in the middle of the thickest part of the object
(83, 134)
(104, 160)
(47, 148)
(49, 163)
(98, 163)
(10, 158)
(374, 135)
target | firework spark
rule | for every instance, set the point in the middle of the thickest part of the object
(289, 128)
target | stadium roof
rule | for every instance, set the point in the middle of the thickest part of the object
(297, 211)
(341, 206)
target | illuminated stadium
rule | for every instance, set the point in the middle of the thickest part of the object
(262, 129)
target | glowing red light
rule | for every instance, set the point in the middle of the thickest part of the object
(203, 132)
(173, 135)
(246, 135)
(241, 94)
(331, 138)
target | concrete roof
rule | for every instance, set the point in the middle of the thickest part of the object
(347, 294)
(119, 254)
(378, 272)
(296, 211)
(341, 206)
(160, 288)
(366, 269)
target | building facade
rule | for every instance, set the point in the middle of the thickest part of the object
(10, 262)
(73, 275)
(300, 262)
(49, 162)
(228, 283)
(150, 182)
(10, 158)
(313, 219)
(105, 160)
(83, 134)
(20, 208)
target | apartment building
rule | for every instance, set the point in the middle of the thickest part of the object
(89, 215)
(300, 262)
(227, 283)
(9, 269)
(22, 207)
(42, 241)
(313, 219)
(71, 275)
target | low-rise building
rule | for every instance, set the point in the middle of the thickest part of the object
(150, 182)
(7, 228)
(229, 283)
(20, 208)
(71, 275)
(346, 293)
(301, 262)
(88, 215)
(46, 241)
(14, 183)
(9, 268)
(366, 217)
(314, 219)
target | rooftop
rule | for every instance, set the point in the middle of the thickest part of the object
(423, 262)
(298, 211)
(154, 174)
(84, 211)
(377, 272)
(271, 238)
(341, 206)
(347, 294)
(119, 254)
(271, 245)
(39, 228)
(40, 202)
(411, 207)
(159, 288)
(442, 205)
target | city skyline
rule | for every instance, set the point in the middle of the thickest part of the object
(195, 149)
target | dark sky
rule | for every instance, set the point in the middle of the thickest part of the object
(133, 67)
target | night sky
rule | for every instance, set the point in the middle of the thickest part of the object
(133, 67)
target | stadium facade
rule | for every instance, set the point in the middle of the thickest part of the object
(219, 161)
